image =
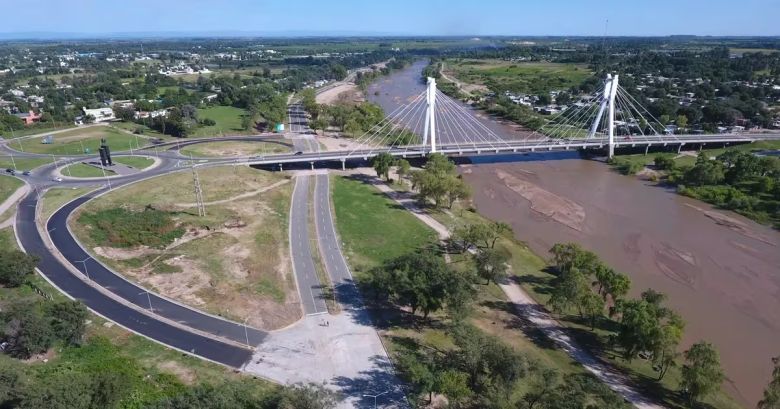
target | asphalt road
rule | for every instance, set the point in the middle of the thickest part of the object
(74, 286)
(299, 123)
(330, 248)
(106, 278)
(309, 286)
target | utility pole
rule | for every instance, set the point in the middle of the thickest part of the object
(198, 190)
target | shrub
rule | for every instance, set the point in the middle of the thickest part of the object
(121, 227)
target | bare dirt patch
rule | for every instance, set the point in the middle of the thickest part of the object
(233, 262)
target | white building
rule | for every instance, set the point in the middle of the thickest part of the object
(100, 114)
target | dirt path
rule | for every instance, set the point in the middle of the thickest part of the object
(238, 197)
(533, 312)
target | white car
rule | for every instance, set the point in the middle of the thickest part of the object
(57, 179)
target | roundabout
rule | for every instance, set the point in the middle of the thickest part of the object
(303, 351)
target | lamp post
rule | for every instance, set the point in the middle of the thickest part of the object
(246, 332)
(86, 271)
(374, 396)
(148, 298)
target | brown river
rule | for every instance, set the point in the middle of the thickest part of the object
(721, 271)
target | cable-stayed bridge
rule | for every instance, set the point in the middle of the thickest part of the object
(434, 122)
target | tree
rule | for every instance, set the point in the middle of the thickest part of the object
(403, 167)
(593, 306)
(491, 366)
(771, 399)
(682, 122)
(568, 291)
(492, 264)
(457, 189)
(382, 164)
(567, 256)
(15, 267)
(479, 235)
(417, 371)
(68, 321)
(311, 396)
(701, 374)
(420, 280)
(638, 329)
(664, 162)
(27, 330)
(666, 342)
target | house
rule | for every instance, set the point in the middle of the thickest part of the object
(150, 114)
(29, 117)
(100, 114)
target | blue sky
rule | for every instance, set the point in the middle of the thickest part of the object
(403, 17)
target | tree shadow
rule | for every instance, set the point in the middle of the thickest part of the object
(380, 380)
(540, 285)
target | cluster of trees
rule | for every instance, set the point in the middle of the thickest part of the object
(735, 180)
(99, 376)
(480, 371)
(584, 283)
(438, 183)
(421, 281)
(645, 327)
(32, 326)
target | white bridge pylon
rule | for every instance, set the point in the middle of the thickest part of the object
(430, 116)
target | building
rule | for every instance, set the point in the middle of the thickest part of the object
(29, 117)
(100, 114)
(150, 114)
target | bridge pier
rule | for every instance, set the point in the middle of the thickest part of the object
(281, 169)
(343, 164)
(679, 148)
(312, 165)
(647, 148)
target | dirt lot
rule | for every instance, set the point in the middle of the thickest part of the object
(233, 262)
(346, 92)
(237, 148)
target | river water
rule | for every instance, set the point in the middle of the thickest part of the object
(721, 271)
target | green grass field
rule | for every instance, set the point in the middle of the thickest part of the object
(138, 162)
(372, 227)
(76, 141)
(147, 132)
(8, 186)
(228, 121)
(56, 197)
(22, 164)
(519, 77)
(35, 129)
(82, 170)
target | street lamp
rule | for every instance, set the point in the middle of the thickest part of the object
(374, 396)
(246, 332)
(86, 271)
(149, 298)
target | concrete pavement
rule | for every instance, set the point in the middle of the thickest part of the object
(342, 351)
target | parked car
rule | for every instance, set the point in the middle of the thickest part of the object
(57, 179)
(9, 170)
(26, 173)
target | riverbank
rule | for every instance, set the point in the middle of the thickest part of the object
(662, 241)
